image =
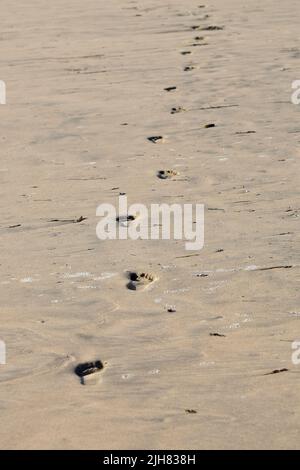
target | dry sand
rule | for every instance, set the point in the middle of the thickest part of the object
(75, 72)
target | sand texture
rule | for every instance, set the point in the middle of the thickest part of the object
(85, 90)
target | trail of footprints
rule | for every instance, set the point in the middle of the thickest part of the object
(90, 372)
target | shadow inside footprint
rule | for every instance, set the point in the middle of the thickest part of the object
(140, 281)
(88, 368)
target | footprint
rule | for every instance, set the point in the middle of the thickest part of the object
(196, 44)
(155, 139)
(125, 219)
(188, 68)
(89, 371)
(69, 221)
(179, 109)
(185, 52)
(167, 174)
(200, 28)
(245, 132)
(277, 371)
(211, 28)
(208, 126)
(140, 281)
(170, 88)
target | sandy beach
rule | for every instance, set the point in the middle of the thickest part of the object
(201, 358)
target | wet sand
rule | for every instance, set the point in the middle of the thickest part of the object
(85, 89)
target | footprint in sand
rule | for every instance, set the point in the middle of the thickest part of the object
(199, 41)
(196, 27)
(179, 109)
(167, 174)
(211, 28)
(140, 281)
(190, 411)
(170, 88)
(89, 372)
(189, 68)
(125, 220)
(209, 126)
(196, 44)
(156, 139)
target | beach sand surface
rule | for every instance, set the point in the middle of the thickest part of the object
(85, 89)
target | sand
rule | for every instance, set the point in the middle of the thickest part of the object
(85, 89)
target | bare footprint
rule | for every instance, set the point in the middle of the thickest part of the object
(170, 88)
(179, 109)
(211, 28)
(140, 281)
(189, 68)
(196, 44)
(208, 126)
(167, 174)
(69, 221)
(190, 411)
(125, 220)
(89, 372)
(156, 139)
(199, 27)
